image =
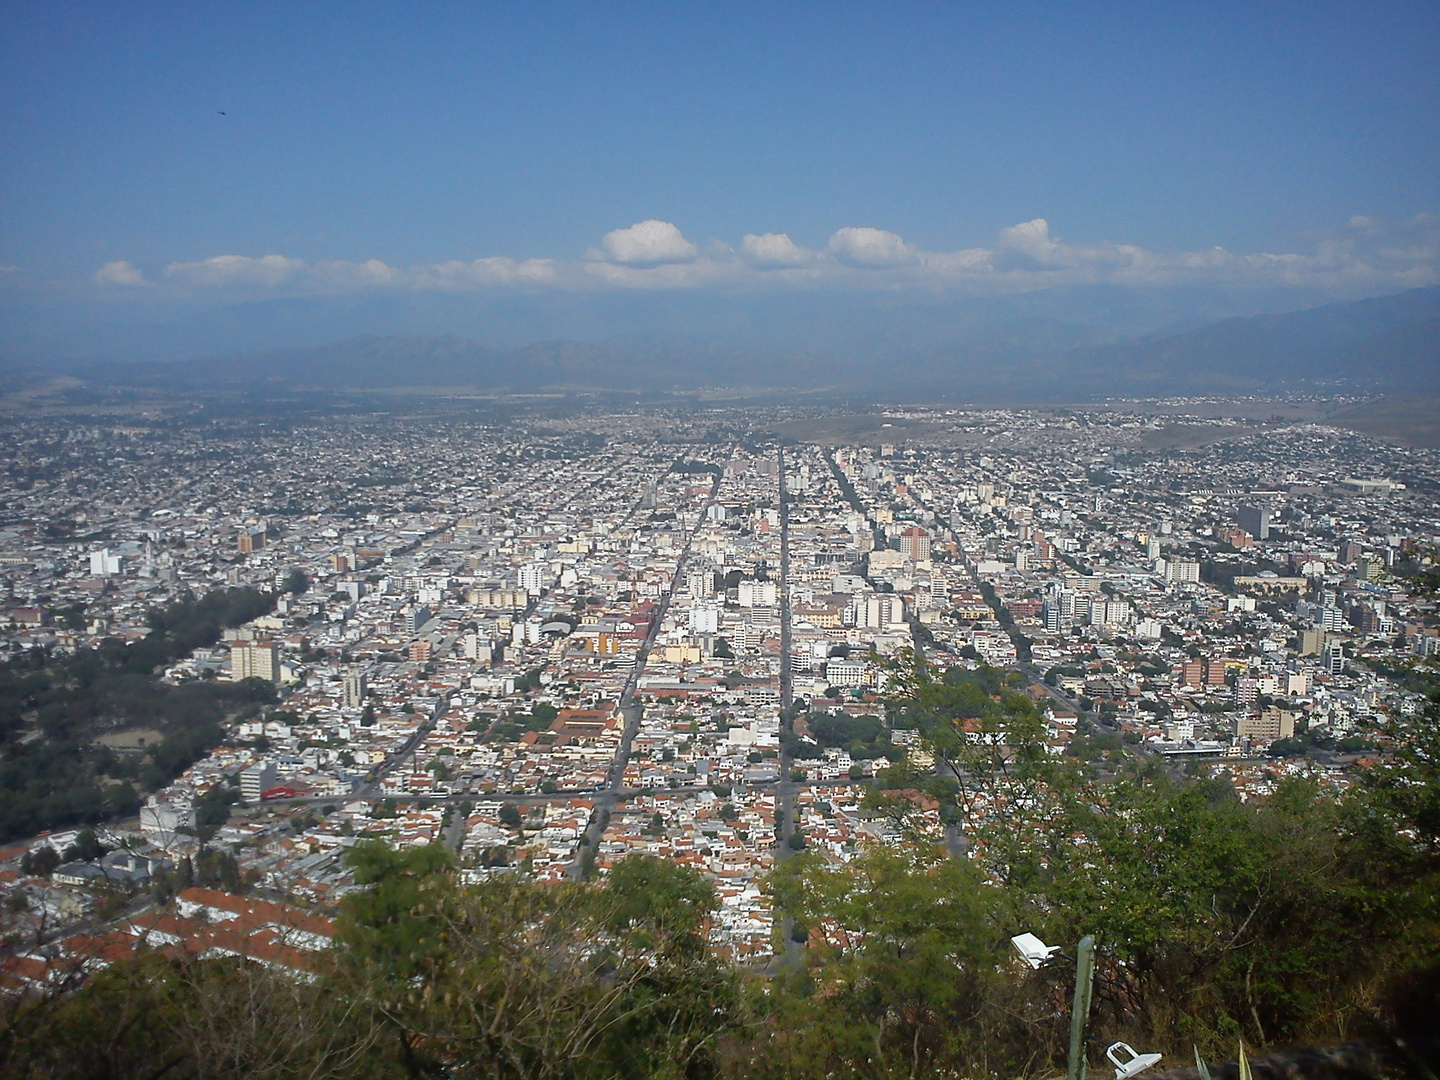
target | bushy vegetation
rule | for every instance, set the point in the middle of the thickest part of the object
(65, 777)
(860, 736)
(1303, 917)
(506, 979)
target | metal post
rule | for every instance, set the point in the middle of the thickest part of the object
(1080, 1011)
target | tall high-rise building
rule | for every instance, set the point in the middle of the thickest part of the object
(480, 649)
(879, 611)
(254, 660)
(704, 619)
(416, 618)
(1182, 570)
(1255, 520)
(1332, 658)
(353, 683)
(1108, 613)
(1065, 598)
(256, 780)
(248, 541)
(105, 563)
(757, 594)
(534, 577)
(915, 544)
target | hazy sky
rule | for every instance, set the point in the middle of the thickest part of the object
(534, 146)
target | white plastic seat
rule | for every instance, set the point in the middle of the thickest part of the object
(1134, 1063)
(1034, 951)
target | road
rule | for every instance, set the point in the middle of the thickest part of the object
(785, 788)
(621, 793)
(613, 790)
(454, 831)
(371, 788)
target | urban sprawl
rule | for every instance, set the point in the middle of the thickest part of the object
(554, 643)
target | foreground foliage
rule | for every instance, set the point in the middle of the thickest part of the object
(502, 980)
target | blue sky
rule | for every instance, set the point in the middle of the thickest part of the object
(904, 146)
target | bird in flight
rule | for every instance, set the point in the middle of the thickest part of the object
(222, 112)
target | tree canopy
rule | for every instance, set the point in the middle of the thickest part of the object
(56, 780)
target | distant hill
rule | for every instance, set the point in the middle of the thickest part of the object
(1389, 344)
(1386, 343)
(372, 362)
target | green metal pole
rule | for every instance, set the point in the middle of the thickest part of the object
(1080, 1012)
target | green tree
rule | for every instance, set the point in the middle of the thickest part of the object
(85, 848)
(161, 1015)
(1216, 918)
(513, 980)
(986, 733)
(41, 861)
(390, 926)
(904, 945)
(661, 900)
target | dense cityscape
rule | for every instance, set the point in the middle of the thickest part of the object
(551, 644)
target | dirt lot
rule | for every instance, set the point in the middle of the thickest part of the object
(1409, 421)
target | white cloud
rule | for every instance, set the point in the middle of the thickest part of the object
(458, 276)
(863, 246)
(119, 273)
(348, 275)
(941, 266)
(648, 243)
(268, 271)
(1030, 243)
(1362, 257)
(774, 251)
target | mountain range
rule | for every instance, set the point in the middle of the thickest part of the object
(1015, 350)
